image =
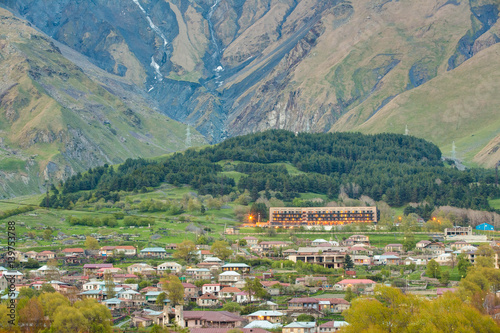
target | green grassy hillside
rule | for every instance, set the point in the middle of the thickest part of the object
(55, 120)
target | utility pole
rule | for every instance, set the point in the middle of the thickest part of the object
(496, 173)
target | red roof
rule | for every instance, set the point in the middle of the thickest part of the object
(303, 300)
(46, 252)
(188, 285)
(334, 300)
(215, 316)
(206, 252)
(356, 281)
(208, 296)
(71, 250)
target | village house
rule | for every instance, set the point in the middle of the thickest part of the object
(394, 248)
(207, 300)
(271, 316)
(91, 269)
(422, 244)
(229, 293)
(251, 240)
(171, 266)
(361, 285)
(73, 252)
(212, 288)
(459, 245)
(300, 327)
(315, 255)
(435, 248)
(109, 251)
(229, 277)
(45, 256)
(266, 246)
(153, 252)
(236, 267)
(331, 326)
(203, 254)
(312, 281)
(207, 319)
(190, 290)
(202, 274)
(303, 304)
(361, 260)
(140, 268)
(333, 305)
(356, 240)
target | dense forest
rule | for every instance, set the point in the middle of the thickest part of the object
(394, 168)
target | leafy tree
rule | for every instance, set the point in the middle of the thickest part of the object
(231, 307)
(69, 319)
(484, 256)
(221, 250)
(161, 297)
(409, 242)
(47, 288)
(31, 315)
(185, 250)
(109, 285)
(391, 311)
(445, 277)
(463, 265)
(255, 289)
(51, 302)
(32, 263)
(433, 269)
(47, 234)
(242, 242)
(349, 294)
(174, 288)
(348, 263)
(91, 243)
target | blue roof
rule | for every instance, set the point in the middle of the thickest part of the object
(485, 226)
(153, 249)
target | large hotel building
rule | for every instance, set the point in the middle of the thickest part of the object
(295, 216)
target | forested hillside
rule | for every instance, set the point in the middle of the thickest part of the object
(393, 168)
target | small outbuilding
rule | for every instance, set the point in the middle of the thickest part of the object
(485, 226)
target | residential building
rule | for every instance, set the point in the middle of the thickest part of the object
(76, 252)
(394, 248)
(361, 285)
(300, 327)
(153, 252)
(303, 303)
(271, 316)
(45, 256)
(251, 240)
(422, 244)
(297, 216)
(326, 257)
(207, 319)
(91, 269)
(237, 267)
(140, 268)
(212, 288)
(108, 251)
(169, 266)
(229, 277)
(229, 293)
(209, 300)
(190, 290)
(333, 305)
(331, 326)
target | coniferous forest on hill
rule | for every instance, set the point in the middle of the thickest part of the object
(394, 168)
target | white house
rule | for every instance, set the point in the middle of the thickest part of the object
(229, 277)
(169, 266)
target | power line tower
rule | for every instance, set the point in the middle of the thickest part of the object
(407, 132)
(453, 151)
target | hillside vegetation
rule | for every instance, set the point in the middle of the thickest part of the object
(394, 168)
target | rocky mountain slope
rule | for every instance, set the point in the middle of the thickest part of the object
(229, 67)
(56, 120)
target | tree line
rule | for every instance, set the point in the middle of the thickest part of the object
(393, 168)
